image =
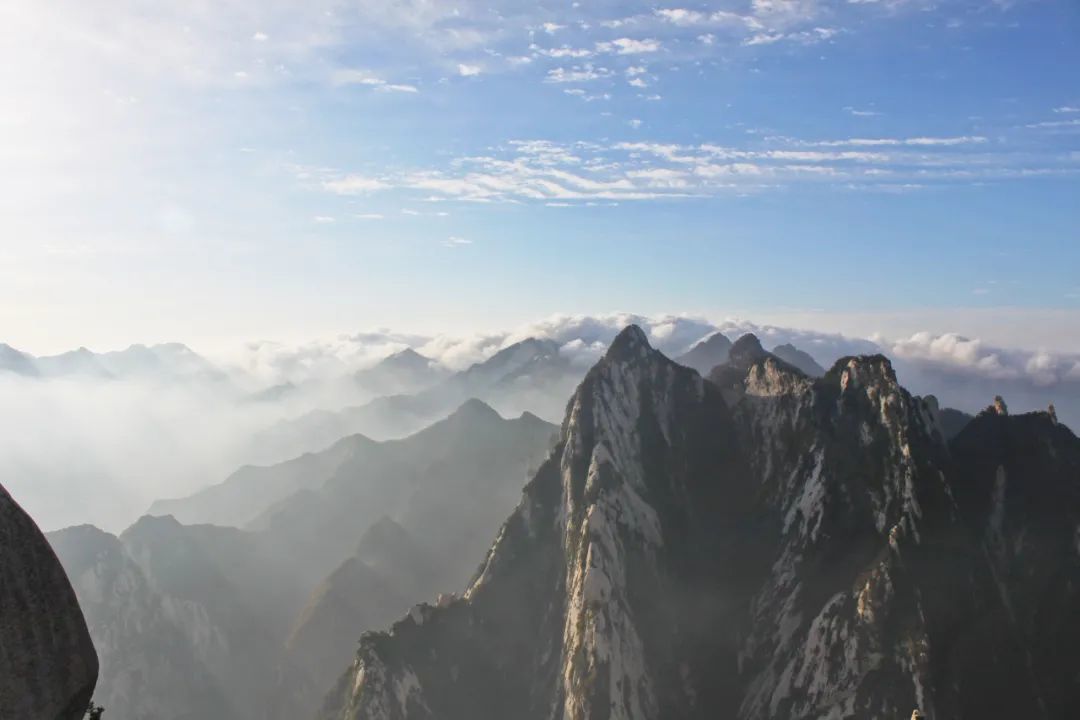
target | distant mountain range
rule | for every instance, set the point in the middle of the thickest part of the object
(170, 361)
(529, 376)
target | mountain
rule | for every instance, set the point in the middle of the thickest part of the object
(187, 620)
(17, 362)
(249, 491)
(199, 620)
(158, 653)
(430, 502)
(430, 482)
(707, 354)
(368, 590)
(168, 361)
(48, 667)
(797, 358)
(774, 546)
(530, 375)
(404, 372)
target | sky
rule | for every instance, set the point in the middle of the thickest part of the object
(209, 170)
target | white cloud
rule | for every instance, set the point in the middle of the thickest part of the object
(577, 74)
(468, 70)
(551, 28)
(629, 46)
(322, 219)
(545, 171)
(454, 242)
(912, 141)
(352, 76)
(354, 185)
(1067, 109)
(1055, 124)
(563, 52)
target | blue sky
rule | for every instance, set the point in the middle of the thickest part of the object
(206, 171)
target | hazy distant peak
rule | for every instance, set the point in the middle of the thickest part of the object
(707, 354)
(407, 358)
(527, 416)
(152, 526)
(382, 531)
(474, 408)
(519, 353)
(16, 361)
(800, 359)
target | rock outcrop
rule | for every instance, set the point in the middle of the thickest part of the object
(48, 667)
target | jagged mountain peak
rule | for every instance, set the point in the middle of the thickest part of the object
(746, 351)
(873, 374)
(630, 342)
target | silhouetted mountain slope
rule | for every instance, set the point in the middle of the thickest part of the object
(368, 590)
(429, 481)
(249, 491)
(778, 547)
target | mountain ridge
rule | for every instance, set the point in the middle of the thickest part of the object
(803, 528)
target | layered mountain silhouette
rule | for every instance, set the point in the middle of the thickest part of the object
(759, 544)
(201, 620)
(528, 376)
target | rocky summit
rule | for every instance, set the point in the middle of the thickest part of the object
(761, 544)
(48, 667)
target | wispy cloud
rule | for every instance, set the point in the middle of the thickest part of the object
(352, 76)
(629, 46)
(577, 74)
(456, 242)
(546, 171)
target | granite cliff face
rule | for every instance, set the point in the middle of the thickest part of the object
(761, 544)
(48, 667)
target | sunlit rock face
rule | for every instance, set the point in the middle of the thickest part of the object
(48, 667)
(760, 544)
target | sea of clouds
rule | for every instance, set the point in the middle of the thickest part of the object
(79, 449)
